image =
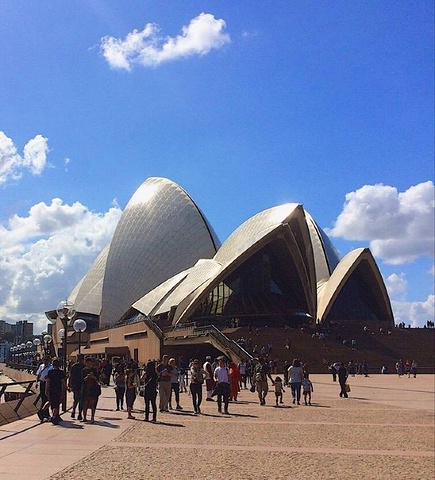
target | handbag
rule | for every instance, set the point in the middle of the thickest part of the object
(252, 389)
(347, 387)
(142, 388)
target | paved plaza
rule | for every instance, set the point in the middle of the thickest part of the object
(384, 430)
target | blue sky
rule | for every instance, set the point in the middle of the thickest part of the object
(246, 105)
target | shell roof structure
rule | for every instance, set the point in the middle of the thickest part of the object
(164, 256)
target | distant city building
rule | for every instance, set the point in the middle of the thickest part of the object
(4, 350)
(5, 327)
(23, 331)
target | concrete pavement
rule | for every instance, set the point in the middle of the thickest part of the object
(387, 421)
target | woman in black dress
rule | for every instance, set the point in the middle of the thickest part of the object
(91, 388)
(130, 391)
(149, 379)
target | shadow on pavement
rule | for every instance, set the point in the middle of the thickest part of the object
(168, 424)
(242, 415)
(69, 424)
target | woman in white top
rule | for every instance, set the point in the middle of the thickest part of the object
(222, 377)
(296, 374)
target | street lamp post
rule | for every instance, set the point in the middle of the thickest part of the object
(66, 312)
(47, 339)
(79, 326)
(37, 342)
(61, 336)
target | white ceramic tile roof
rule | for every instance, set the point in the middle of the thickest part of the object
(160, 233)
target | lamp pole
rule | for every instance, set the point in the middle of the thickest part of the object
(36, 342)
(66, 312)
(47, 340)
(79, 326)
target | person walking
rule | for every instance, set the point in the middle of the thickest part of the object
(75, 385)
(235, 379)
(91, 389)
(175, 385)
(119, 380)
(296, 373)
(307, 388)
(130, 391)
(197, 375)
(54, 389)
(164, 375)
(261, 374)
(242, 370)
(342, 377)
(41, 377)
(279, 390)
(222, 378)
(209, 381)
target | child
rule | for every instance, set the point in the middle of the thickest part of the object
(279, 390)
(307, 387)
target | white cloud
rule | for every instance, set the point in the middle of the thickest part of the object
(45, 254)
(398, 225)
(148, 48)
(414, 313)
(12, 164)
(396, 284)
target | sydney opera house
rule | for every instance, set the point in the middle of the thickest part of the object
(165, 278)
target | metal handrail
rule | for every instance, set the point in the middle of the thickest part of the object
(26, 393)
(224, 340)
(152, 326)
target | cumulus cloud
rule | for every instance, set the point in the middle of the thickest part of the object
(148, 48)
(396, 284)
(398, 225)
(45, 253)
(414, 313)
(12, 164)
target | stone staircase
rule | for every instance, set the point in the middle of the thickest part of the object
(378, 349)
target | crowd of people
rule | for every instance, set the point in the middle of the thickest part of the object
(165, 379)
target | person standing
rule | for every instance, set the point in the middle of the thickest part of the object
(342, 377)
(261, 374)
(279, 390)
(55, 389)
(175, 385)
(414, 367)
(197, 375)
(222, 377)
(149, 379)
(209, 381)
(164, 374)
(41, 377)
(130, 391)
(91, 389)
(75, 385)
(296, 373)
(307, 387)
(242, 371)
(234, 382)
(107, 372)
(119, 380)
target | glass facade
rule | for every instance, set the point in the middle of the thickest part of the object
(267, 284)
